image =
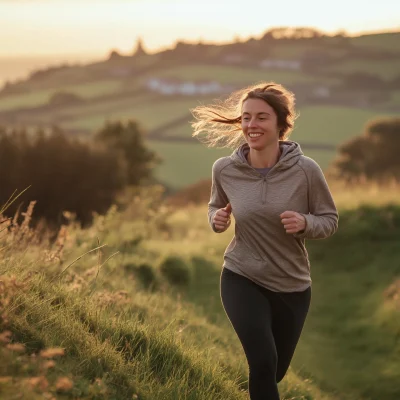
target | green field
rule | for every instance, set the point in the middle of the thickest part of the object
(185, 163)
(150, 114)
(384, 41)
(235, 74)
(315, 124)
(384, 69)
(332, 125)
(41, 97)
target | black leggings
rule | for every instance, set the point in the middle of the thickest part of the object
(268, 325)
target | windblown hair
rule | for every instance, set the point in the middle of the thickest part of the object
(219, 124)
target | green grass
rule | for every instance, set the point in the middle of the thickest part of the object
(332, 125)
(349, 345)
(151, 113)
(385, 69)
(384, 41)
(346, 343)
(185, 163)
(121, 340)
(40, 97)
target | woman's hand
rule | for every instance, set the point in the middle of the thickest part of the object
(293, 222)
(222, 218)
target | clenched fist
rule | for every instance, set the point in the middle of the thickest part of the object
(293, 222)
(222, 218)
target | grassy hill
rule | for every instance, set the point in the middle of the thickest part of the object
(117, 88)
(79, 321)
(147, 322)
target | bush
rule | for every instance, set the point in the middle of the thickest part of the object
(144, 273)
(373, 156)
(175, 270)
(128, 140)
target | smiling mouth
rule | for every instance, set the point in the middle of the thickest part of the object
(255, 135)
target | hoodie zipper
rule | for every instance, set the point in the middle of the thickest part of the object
(264, 191)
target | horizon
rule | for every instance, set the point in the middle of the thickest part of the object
(16, 67)
(179, 39)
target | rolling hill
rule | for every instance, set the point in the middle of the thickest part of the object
(340, 83)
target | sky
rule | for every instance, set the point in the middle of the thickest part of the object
(48, 27)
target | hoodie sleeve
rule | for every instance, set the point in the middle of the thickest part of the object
(322, 220)
(218, 198)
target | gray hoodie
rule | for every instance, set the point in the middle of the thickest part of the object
(261, 250)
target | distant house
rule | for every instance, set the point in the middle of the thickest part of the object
(321, 92)
(170, 87)
(281, 64)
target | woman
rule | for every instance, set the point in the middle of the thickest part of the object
(279, 198)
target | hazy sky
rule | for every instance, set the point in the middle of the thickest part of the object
(30, 27)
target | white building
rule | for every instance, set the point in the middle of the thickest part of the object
(170, 87)
(281, 64)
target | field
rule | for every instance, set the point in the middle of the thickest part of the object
(39, 97)
(315, 125)
(386, 70)
(111, 92)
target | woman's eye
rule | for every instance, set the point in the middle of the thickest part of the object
(262, 119)
(245, 119)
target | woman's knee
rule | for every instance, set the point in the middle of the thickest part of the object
(263, 364)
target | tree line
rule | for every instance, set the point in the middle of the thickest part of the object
(65, 174)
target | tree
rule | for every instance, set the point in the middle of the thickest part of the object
(139, 51)
(373, 156)
(114, 55)
(128, 140)
(63, 175)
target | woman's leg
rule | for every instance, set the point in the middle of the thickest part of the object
(249, 312)
(289, 314)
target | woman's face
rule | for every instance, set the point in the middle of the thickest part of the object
(259, 124)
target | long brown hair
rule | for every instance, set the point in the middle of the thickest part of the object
(219, 124)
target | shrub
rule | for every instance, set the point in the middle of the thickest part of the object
(175, 270)
(144, 273)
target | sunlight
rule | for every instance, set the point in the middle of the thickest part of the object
(45, 27)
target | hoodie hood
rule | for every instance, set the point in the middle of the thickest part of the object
(291, 153)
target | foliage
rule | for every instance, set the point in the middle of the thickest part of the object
(128, 139)
(373, 156)
(62, 175)
(175, 270)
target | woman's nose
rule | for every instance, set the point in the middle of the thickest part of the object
(252, 123)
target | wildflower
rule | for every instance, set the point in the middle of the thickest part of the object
(5, 337)
(64, 384)
(53, 352)
(18, 347)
